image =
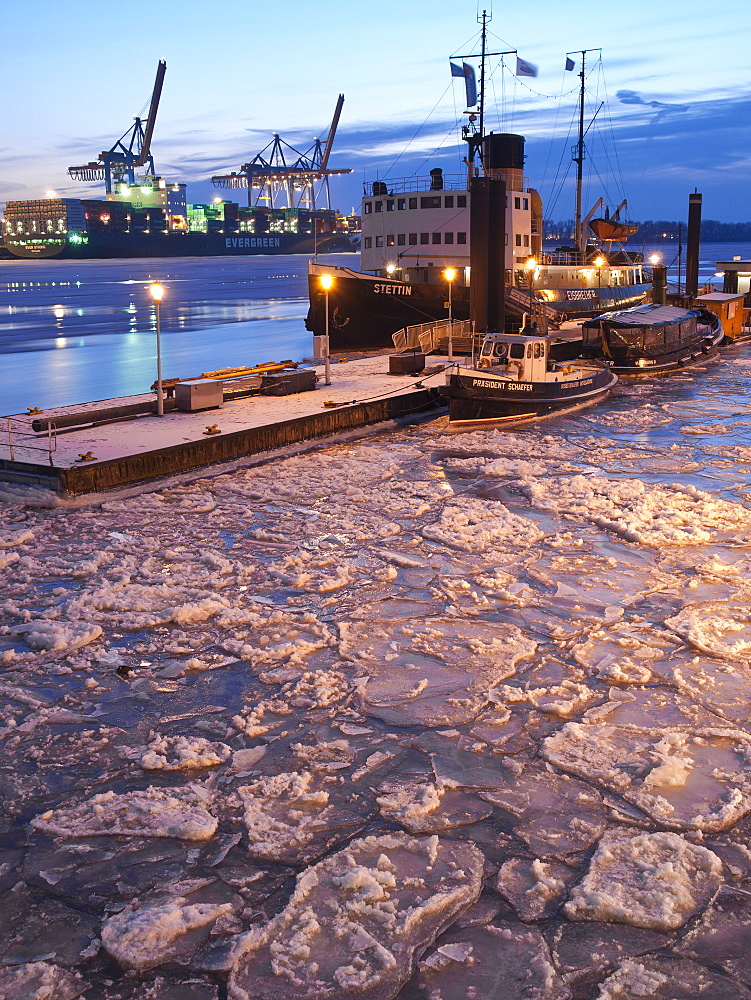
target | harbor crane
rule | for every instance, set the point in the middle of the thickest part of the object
(279, 170)
(131, 151)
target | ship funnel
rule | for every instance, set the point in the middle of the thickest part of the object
(503, 158)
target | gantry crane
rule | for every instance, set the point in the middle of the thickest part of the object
(270, 179)
(131, 152)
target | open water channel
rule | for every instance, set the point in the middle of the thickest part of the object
(424, 715)
(75, 331)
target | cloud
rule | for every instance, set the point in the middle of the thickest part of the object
(633, 97)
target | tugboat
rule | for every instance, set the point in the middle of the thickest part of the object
(653, 339)
(516, 379)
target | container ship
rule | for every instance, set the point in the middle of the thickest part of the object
(143, 215)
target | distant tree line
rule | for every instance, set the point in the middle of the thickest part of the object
(653, 230)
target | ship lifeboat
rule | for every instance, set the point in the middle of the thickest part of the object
(612, 230)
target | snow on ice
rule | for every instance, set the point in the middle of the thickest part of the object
(514, 664)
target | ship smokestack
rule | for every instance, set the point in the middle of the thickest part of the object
(487, 225)
(692, 244)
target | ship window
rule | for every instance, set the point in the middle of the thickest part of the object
(538, 350)
(461, 237)
(379, 241)
(379, 206)
(431, 202)
(436, 237)
(517, 203)
(516, 351)
(390, 240)
(461, 201)
(487, 348)
(529, 350)
(448, 201)
(424, 238)
(413, 239)
(448, 237)
(390, 205)
(413, 202)
(401, 204)
(526, 240)
(368, 242)
(525, 204)
(400, 240)
(368, 207)
(518, 239)
(499, 350)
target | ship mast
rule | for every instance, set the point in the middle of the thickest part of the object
(578, 154)
(471, 133)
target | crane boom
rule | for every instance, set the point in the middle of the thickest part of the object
(153, 108)
(332, 133)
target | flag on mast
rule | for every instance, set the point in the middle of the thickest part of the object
(569, 64)
(524, 68)
(470, 81)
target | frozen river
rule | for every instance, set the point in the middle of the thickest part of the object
(428, 715)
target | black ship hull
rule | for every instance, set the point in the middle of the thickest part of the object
(98, 246)
(478, 398)
(661, 348)
(365, 311)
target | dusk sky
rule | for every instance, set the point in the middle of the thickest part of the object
(675, 78)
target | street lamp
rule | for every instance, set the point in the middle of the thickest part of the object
(326, 281)
(530, 266)
(654, 259)
(156, 291)
(599, 261)
(450, 275)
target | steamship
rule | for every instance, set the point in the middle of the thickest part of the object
(414, 229)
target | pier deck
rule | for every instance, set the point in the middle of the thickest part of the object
(104, 456)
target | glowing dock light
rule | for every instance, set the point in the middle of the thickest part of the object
(157, 291)
(326, 281)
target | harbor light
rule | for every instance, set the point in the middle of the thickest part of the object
(599, 261)
(390, 268)
(531, 266)
(654, 259)
(326, 282)
(156, 291)
(449, 274)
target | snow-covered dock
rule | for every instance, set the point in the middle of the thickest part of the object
(104, 453)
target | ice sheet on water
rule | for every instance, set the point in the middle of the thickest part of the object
(582, 950)
(720, 630)
(355, 920)
(652, 880)
(478, 963)
(562, 699)
(436, 673)
(143, 937)
(639, 512)
(663, 978)
(34, 929)
(474, 525)
(556, 815)
(293, 818)
(535, 889)
(720, 687)
(183, 753)
(57, 637)
(40, 981)
(722, 937)
(152, 812)
(428, 808)
(684, 779)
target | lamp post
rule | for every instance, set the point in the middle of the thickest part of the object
(599, 261)
(450, 275)
(530, 267)
(326, 281)
(156, 291)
